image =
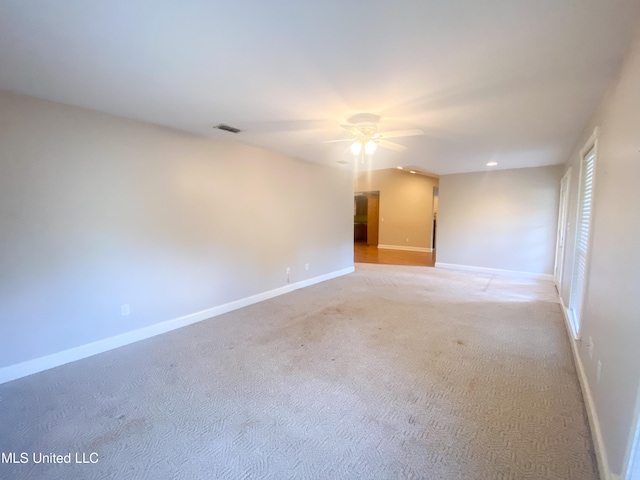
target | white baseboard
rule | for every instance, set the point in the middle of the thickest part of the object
(495, 271)
(409, 249)
(40, 364)
(594, 424)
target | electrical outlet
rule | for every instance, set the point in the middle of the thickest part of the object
(125, 310)
(598, 371)
(590, 347)
(306, 266)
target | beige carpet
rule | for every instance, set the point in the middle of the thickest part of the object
(388, 373)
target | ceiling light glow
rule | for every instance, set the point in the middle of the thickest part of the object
(370, 147)
(356, 148)
(400, 168)
(492, 164)
(411, 171)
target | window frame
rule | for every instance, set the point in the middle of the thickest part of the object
(575, 310)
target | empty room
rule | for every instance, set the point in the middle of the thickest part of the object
(319, 240)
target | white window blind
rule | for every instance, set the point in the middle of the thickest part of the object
(585, 204)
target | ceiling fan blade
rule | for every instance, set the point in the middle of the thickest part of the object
(352, 129)
(341, 140)
(282, 126)
(391, 146)
(400, 133)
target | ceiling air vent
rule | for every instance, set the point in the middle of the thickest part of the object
(227, 128)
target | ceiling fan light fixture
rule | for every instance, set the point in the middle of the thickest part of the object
(370, 147)
(365, 137)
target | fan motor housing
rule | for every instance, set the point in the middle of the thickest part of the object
(365, 123)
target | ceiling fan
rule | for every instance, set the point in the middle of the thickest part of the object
(366, 138)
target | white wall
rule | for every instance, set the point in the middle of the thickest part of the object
(503, 219)
(97, 211)
(612, 309)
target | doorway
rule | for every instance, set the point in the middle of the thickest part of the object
(366, 217)
(436, 199)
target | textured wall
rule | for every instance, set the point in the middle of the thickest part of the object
(97, 211)
(504, 219)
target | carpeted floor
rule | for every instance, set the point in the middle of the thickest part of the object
(388, 373)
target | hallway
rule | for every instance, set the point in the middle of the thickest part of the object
(363, 253)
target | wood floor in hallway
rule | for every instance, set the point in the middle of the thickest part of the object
(363, 253)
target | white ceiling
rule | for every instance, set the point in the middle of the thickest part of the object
(507, 80)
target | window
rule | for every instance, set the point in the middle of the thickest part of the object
(583, 227)
(633, 454)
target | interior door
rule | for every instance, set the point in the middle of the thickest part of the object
(373, 213)
(562, 228)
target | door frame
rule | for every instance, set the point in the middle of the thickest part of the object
(372, 220)
(561, 236)
(434, 215)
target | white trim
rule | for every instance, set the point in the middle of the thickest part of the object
(591, 142)
(13, 372)
(495, 271)
(563, 227)
(594, 424)
(573, 323)
(409, 249)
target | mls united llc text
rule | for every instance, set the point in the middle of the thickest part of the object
(39, 457)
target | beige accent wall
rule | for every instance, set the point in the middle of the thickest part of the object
(98, 211)
(502, 219)
(611, 315)
(406, 205)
